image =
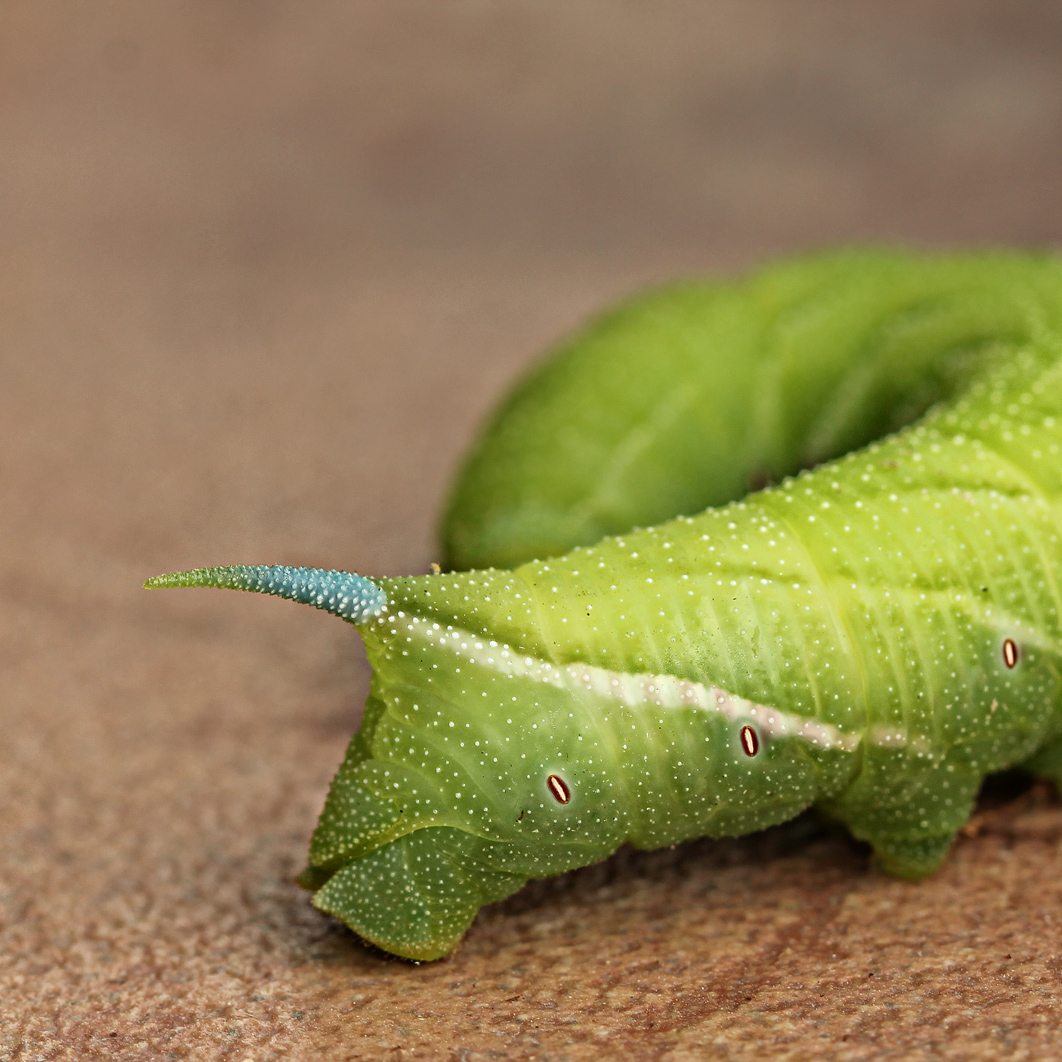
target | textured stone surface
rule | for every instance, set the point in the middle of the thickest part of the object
(264, 267)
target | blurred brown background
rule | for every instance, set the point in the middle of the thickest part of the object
(264, 268)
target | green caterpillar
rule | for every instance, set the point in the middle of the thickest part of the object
(872, 636)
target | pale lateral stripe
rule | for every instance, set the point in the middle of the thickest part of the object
(639, 690)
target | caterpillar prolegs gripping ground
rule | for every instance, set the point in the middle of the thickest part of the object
(871, 636)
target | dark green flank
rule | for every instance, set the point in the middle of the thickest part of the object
(871, 637)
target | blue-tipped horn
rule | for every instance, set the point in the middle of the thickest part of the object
(344, 594)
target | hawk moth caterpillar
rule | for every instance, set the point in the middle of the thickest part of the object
(639, 646)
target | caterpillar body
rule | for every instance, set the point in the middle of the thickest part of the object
(871, 635)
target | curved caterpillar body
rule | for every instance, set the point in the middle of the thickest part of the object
(872, 636)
